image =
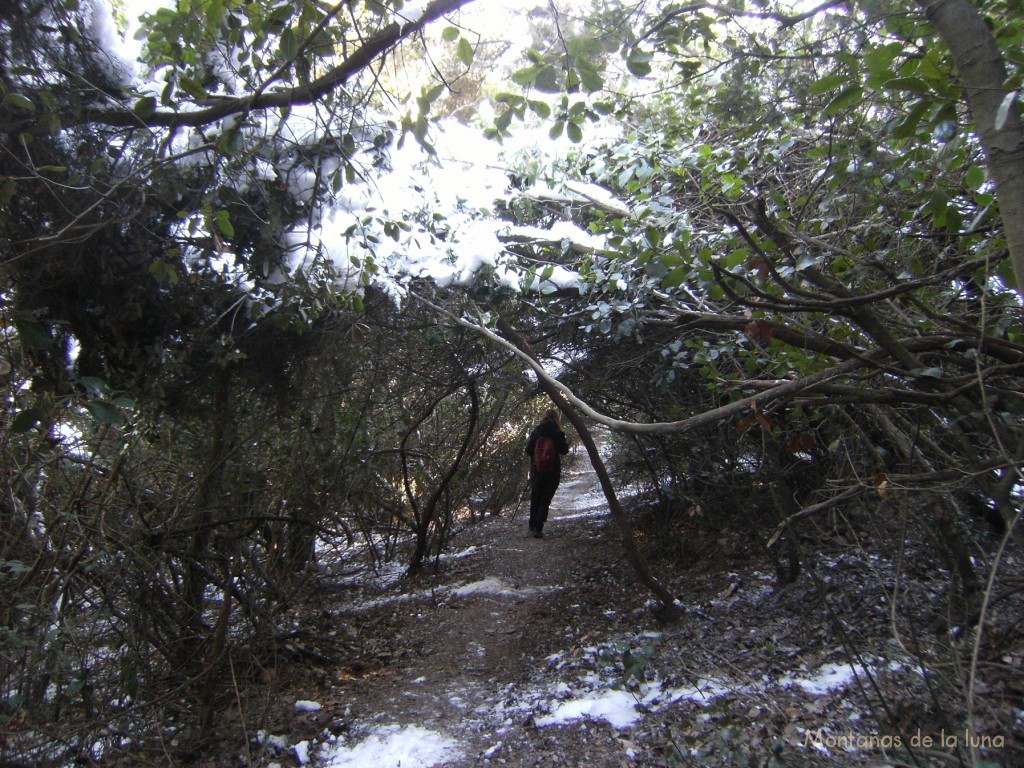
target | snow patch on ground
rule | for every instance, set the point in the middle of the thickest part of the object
(467, 552)
(599, 698)
(489, 586)
(495, 586)
(591, 503)
(619, 708)
(829, 678)
(392, 745)
(589, 514)
(624, 708)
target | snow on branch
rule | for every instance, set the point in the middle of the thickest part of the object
(565, 233)
(582, 195)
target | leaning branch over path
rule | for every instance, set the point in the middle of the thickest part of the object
(518, 344)
(743, 405)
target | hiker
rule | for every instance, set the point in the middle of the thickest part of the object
(545, 447)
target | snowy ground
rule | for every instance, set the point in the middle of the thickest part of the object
(522, 652)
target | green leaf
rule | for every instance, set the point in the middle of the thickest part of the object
(223, 223)
(914, 84)
(145, 107)
(193, 88)
(827, 84)
(450, 34)
(572, 81)
(34, 334)
(95, 385)
(104, 413)
(574, 132)
(465, 52)
(433, 94)
(289, 46)
(736, 258)
(504, 120)
(526, 76)
(674, 278)
(164, 273)
(7, 190)
(547, 80)
(13, 568)
(1006, 273)
(974, 178)
(540, 108)
(639, 63)
(585, 46)
(25, 420)
(590, 78)
(22, 102)
(556, 129)
(844, 100)
(879, 59)
(908, 127)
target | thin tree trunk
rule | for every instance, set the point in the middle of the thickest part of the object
(208, 498)
(429, 512)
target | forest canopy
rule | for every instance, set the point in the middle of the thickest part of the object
(280, 277)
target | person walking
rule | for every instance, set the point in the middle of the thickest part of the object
(545, 447)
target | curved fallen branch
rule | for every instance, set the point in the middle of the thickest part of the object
(743, 405)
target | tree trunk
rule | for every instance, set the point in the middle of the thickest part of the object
(983, 72)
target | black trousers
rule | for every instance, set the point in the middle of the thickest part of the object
(542, 489)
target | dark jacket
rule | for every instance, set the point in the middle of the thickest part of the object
(548, 429)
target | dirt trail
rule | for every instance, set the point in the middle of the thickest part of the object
(545, 652)
(470, 649)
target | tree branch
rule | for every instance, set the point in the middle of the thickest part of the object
(787, 389)
(214, 109)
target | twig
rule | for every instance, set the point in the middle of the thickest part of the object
(976, 650)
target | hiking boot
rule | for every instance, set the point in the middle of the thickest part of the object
(538, 534)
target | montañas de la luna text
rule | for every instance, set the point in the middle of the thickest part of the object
(940, 740)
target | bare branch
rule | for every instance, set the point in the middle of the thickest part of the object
(778, 392)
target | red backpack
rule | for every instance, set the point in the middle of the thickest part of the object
(545, 455)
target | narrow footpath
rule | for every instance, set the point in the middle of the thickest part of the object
(541, 653)
(476, 650)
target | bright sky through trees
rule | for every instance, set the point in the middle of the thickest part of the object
(467, 175)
